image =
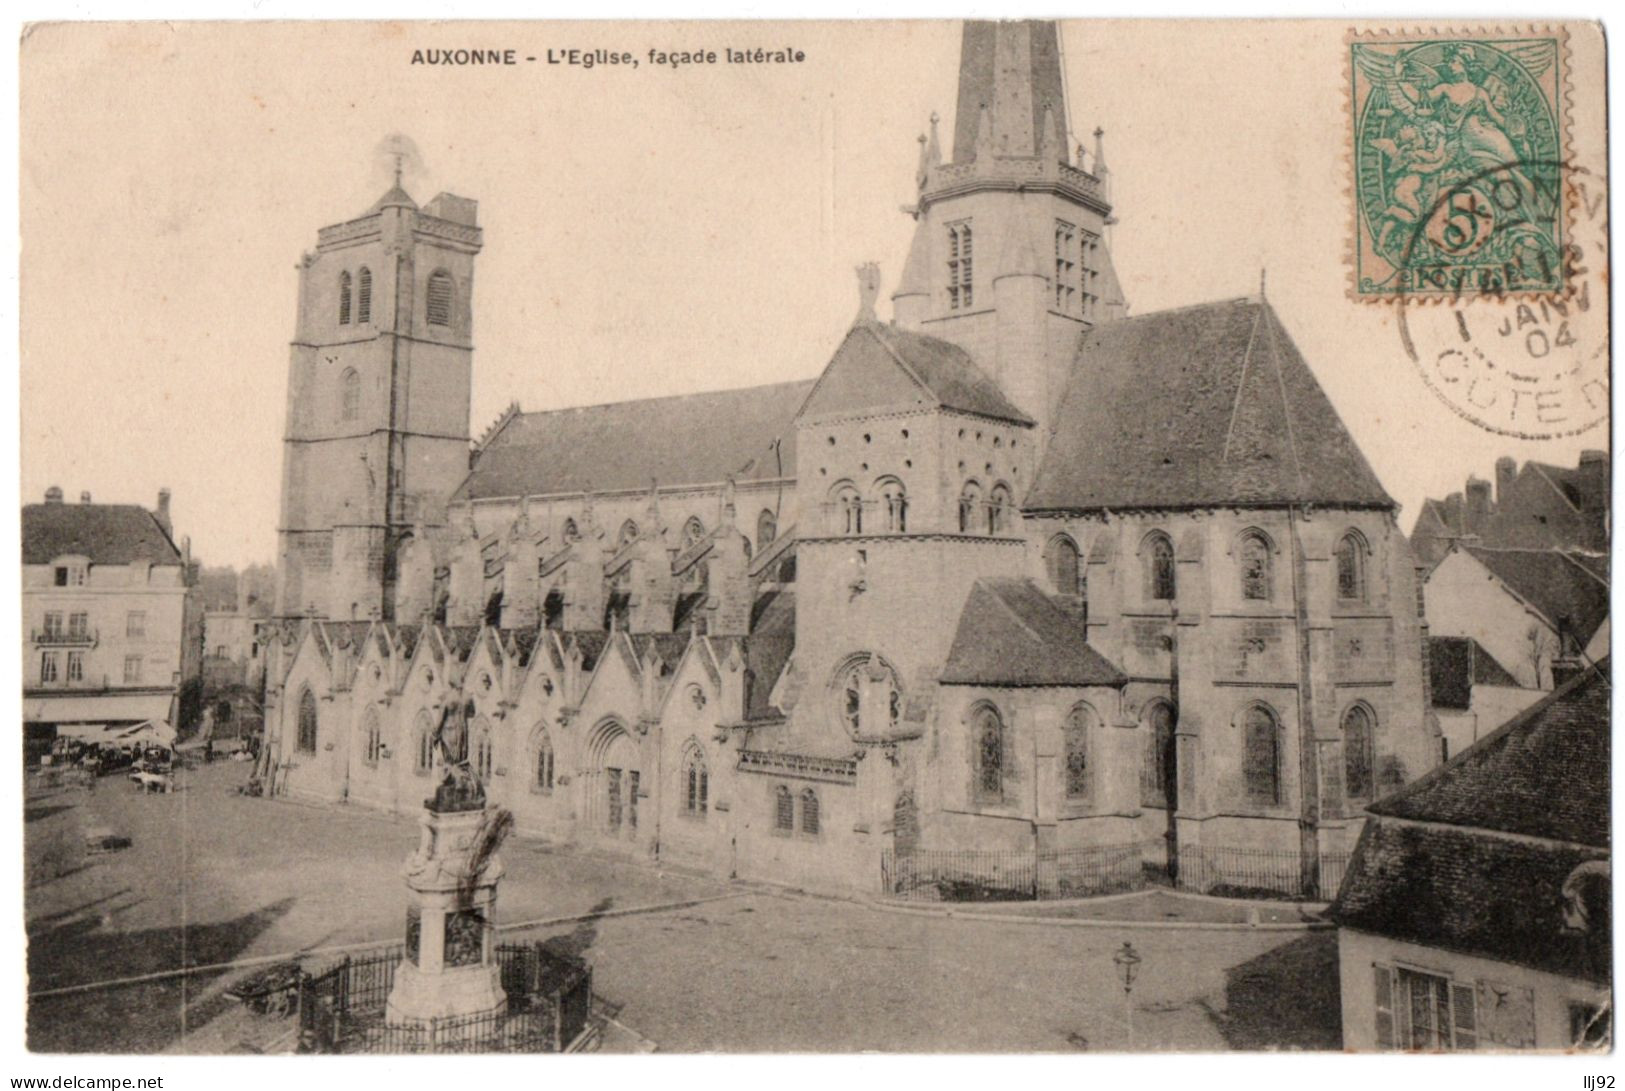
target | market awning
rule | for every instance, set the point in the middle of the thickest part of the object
(102, 708)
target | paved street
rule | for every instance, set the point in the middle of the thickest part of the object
(212, 877)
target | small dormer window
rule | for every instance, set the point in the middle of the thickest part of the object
(70, 574)
(960, 291)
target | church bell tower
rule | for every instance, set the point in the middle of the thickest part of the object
(1010, 257)
(379, 380)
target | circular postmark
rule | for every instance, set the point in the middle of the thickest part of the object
(1495, 349)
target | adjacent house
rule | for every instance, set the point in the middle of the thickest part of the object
(110, 632)
(1537, 506)
(1475, 913)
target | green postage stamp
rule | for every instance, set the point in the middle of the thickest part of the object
(1459, 149)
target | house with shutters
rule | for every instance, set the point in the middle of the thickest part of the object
(1017, 571)
(1476, 910)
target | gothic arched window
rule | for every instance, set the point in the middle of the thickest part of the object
(998, 509)
(350, 394)
(307, 721)
(987, 734)
(1351, 568)
(628, 534)
(344, 298)
(1261, 758)
(1079, 722)
(970, 499)
(960, 279)
(784, 810)
(438, 299)
(894, 504)
(696, 784)
(482, 749)
(363, 295)
(374, 736)
(809, 811)
(868, 697)
(1358, 757)
(1061, 562)
(1156, 775)
(693, 532)
(1159, 568)
(570, 533)
(544, 760)
(767, 528)
(423, 743)
(1254, 554)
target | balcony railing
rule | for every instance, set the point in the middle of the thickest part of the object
(66, 638)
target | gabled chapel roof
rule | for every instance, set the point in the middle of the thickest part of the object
(1011, 633)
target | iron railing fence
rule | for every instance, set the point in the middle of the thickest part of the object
(341, 1009)
(983, 875)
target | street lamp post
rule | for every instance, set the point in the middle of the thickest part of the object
(1127, 960)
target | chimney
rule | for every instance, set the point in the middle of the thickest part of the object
(53, 495)
(84, 497)
(163, 509)
(1478, 505)
(1506, 471)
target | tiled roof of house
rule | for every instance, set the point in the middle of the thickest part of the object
(1211, 404)
(689, 439)
(1474, 856)
(1570, 593)
(1013, 634)
(1456, 664)
(105, 533)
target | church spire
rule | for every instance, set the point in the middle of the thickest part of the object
(1013, 69)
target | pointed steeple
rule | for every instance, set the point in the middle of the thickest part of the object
(1014, 69)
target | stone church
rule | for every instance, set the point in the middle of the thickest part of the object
(1017, 572)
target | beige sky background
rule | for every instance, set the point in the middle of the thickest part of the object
(647, 231)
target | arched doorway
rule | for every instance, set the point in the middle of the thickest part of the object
(615, 782)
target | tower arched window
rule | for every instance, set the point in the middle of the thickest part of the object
(1159, 568)
(543, 760)
(363, 295)
(344, 298)
(1261, 757)
(809, 811)
(1157, 774)
(784, 810)
(1358, 753)
(767, 529)
(307, 721)
(894, 506)
(1254, 555)
(1080, 723)
(693, 531)
(374, 736)
(960, 278)
(350, 394)
(696, 784)
(868, 697)
(847, 508)
(628, 534)
(438, 298)
(999, 504)
(987, 736)
(1351, 568)
(970, 503)
(1061, 562)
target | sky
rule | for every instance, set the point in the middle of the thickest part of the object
(648, 231)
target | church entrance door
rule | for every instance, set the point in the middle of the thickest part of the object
(618, 783)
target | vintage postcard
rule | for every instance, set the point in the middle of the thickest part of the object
(936, 536)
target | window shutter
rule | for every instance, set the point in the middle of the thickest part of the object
(1463, 1016)
(1383, 982)
(438, 300)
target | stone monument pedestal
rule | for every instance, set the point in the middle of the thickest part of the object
(450, 969)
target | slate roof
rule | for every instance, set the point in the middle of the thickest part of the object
(1544, 773)
(946, 371)
(1456, 664)
(106, 533)
(1011, 633)
(1555, 583)
(772, 638)
(689, 439)
(1434, 865)
(1204, 405)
